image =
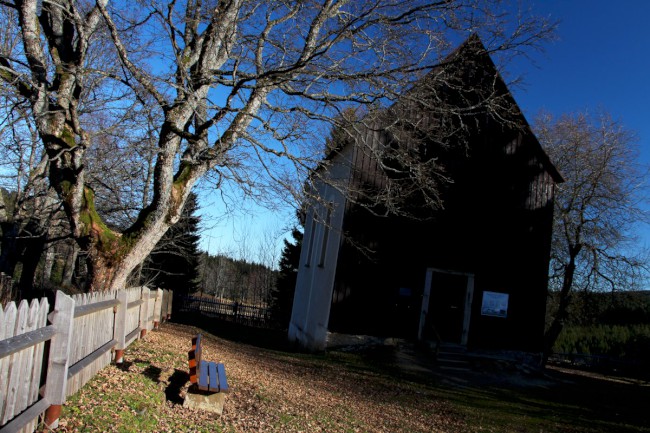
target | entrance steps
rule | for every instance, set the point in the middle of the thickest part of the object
(453, 357)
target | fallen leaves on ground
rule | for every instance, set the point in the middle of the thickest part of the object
(271, 391)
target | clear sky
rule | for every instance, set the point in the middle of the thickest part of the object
(600, 60)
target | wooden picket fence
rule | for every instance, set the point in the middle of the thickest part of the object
(42, 364)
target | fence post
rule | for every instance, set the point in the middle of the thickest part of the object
(62, 319)
(119, 333)
(157, 312)
(144, 312)
(170, 297)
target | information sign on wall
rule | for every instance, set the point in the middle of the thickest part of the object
(494, 304)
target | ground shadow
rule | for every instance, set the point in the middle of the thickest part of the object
(124, 366)
(260, 337)
(153, 373)
(177, 381)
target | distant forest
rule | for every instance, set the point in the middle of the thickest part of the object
(235, 280)
(608, 324)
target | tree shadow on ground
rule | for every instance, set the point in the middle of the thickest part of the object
(152, 372)
(177, 381)
(274, 339)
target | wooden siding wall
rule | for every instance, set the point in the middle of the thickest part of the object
(92, 321)
(502, 194)
(540, 183)
(365, 168)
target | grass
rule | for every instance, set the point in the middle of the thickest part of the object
(277, 389)
(131, 411)
(585, 404)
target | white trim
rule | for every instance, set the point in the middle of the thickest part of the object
(426, 297)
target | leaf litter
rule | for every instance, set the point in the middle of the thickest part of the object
(271, 391)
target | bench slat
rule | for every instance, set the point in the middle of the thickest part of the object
(212, 373)
(203, 377)
(198, 348)
(223, 383)
(209, 376)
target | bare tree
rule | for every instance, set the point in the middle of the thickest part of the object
(238, 85)
(28, 207)
(597, 208)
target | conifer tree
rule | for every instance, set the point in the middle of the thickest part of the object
(173, 264)
(282, 295)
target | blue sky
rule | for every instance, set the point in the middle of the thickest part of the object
(600, 60)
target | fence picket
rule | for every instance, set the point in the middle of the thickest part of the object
(3, 390)
(83, 342)
(144, 311)
(55, 387)
(26, 376)
(151, 310)
(15, 364)
(10, 315)
(41, 322)
(27, 361)
(119, 331)
(157, 308)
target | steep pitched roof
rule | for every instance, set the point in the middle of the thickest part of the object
(465, 85)
(472, 52)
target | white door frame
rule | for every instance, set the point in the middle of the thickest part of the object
(426, 296)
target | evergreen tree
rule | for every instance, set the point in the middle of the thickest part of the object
(173, 263)
(282, 295)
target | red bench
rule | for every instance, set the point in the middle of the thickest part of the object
(206, 375)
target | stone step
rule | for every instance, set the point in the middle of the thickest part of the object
(453, 357)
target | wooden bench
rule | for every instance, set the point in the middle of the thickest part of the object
(207, 376)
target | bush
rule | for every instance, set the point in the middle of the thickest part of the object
(629, 343)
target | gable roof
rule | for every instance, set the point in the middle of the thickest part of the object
(465, 85)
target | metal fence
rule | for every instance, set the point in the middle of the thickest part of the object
(237, 312)
(599, 363)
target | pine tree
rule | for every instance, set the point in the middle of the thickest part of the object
(282, 295)
(173, 264)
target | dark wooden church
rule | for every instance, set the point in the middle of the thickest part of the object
(468, 266)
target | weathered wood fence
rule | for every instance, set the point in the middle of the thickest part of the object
(42, 364)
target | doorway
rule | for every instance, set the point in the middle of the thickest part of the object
(446, 306)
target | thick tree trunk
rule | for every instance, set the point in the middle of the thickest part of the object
(9, 245)
(110, 269)
(48, 264)
(33, 248)
(70, 265)
(562, 313)
(113, 256)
